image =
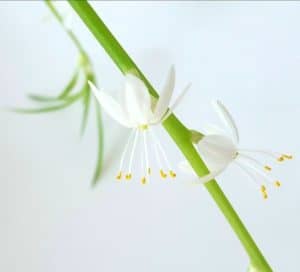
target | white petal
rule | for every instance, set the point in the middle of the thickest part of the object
(113, 108)
(213, 130)
(227, 119)
(137, 100)
(176, 102)
(217, 151)
(165, 95)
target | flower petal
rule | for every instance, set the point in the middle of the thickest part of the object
(217, 152)
(176, 102)
(165, 95)
(137, 100)
(113, 108)
(213, 129)
(226, 118)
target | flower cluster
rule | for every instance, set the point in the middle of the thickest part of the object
(139, 110)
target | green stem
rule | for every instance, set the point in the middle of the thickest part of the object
(68, 31)
(179, 133)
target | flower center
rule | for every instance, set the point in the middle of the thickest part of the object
(143, 127)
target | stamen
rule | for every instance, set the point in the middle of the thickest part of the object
(271, 154)
(267, 168)
(280, 159)
(160, 148)
(172, 174)
(146, 153)
(277, 155)
(129, 175)
(263, 188)
(158, 158)
(162, 174)
(289, 157)
(251, 163)
(248, 172)
(256, 162)
(277, 183)
(265, 195)
(119, 176)
(157, 155)
(143, 180)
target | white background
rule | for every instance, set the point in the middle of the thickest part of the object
(244, 53)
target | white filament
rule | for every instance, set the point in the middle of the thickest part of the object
(133, 151)
(161, 150)
(266, 177)
(146, 152)
(125, 149)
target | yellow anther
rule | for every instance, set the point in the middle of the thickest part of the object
(263, 189)
(143, 127)
(280, 159)
(267, 168)
(289, 157)
(277, 183)
(143, 180)
(162, 174)
(265, 195)
(128, 176)
(149, 171)
(119, 176)
(172, 174)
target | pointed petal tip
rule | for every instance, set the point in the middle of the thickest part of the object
(226, 117)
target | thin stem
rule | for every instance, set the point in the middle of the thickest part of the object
(178, 132)
(68, 31)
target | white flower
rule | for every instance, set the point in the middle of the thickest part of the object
(219, 149)
(139, 110)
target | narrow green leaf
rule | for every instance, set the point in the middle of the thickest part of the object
(98, 168)
(42, 110)
(70, 85)
(86, 108)
(68, 102)
(62, 96)
(42, 98)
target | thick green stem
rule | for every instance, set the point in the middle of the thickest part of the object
(179, 133)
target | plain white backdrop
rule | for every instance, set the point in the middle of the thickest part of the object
(244, 53)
